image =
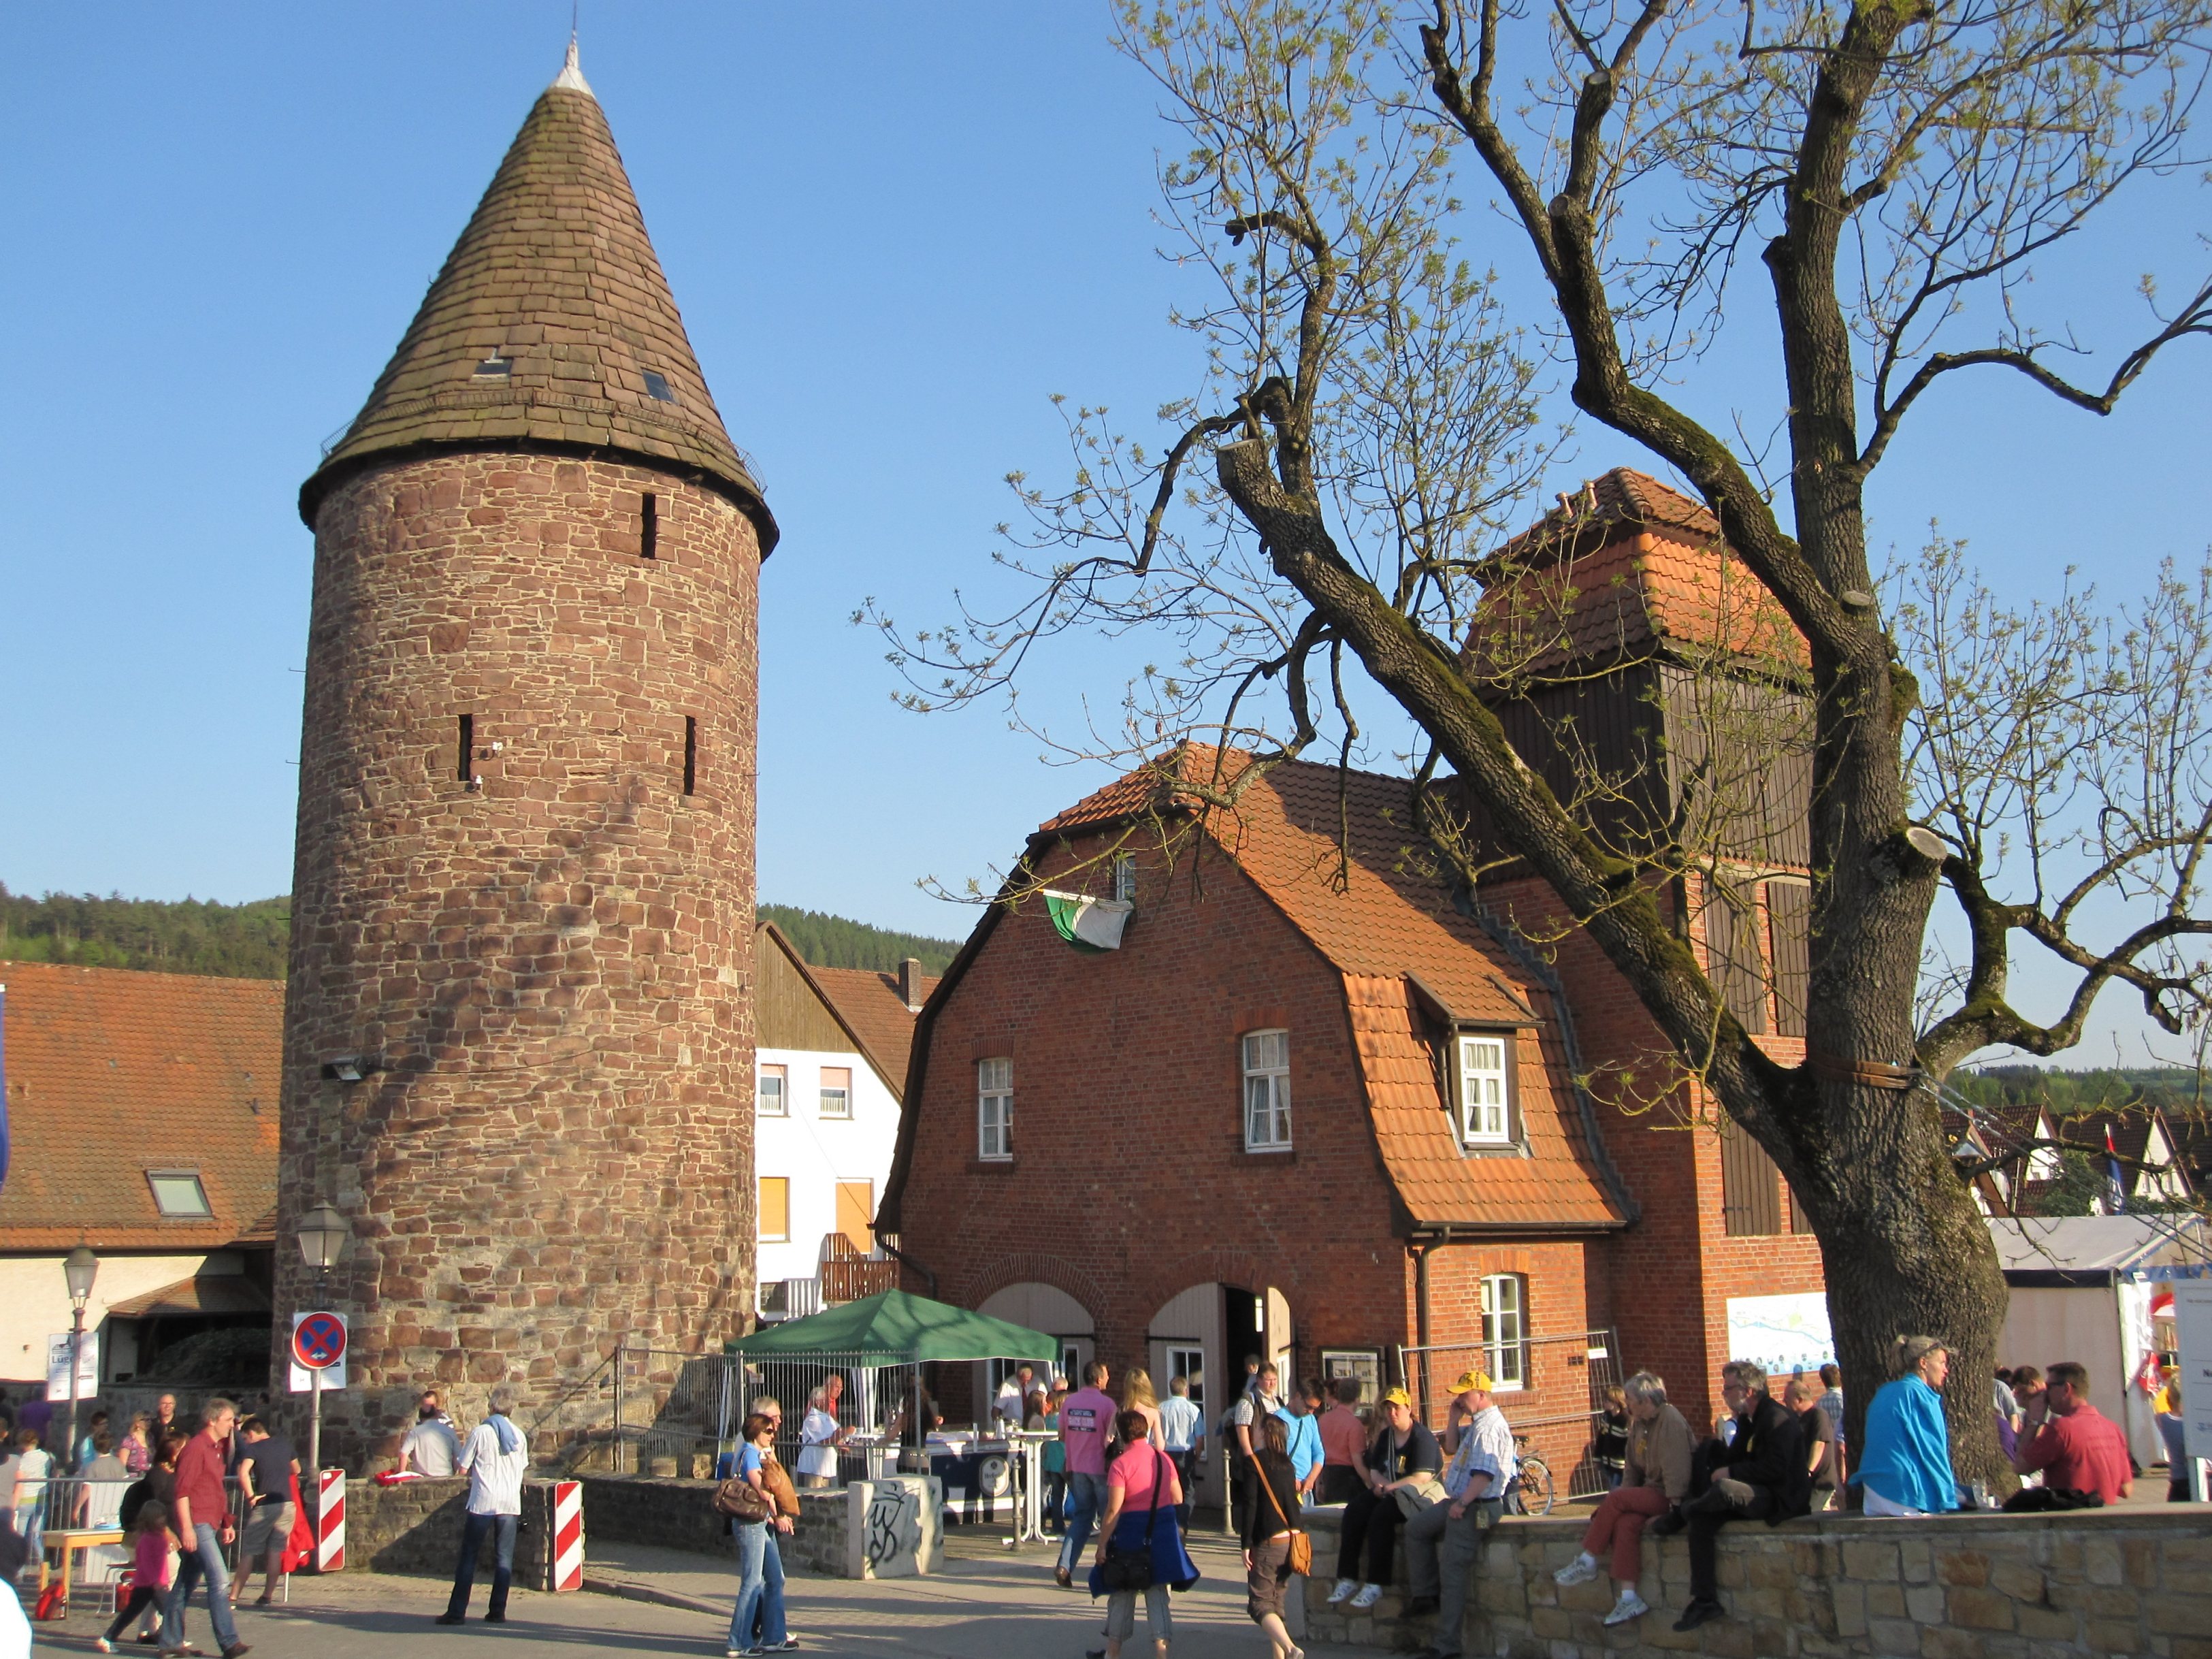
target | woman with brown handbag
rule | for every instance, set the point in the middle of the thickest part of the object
(760, 1563)
(1274, 1550)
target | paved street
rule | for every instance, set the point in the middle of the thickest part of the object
(982, 1606)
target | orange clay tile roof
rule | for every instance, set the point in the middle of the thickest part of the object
(1625, 570)
(555, 276)
(1384, 920)
(111, 1074)
(868, 1003)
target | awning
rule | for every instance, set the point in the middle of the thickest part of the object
(2048, 1252)
(900, 1329)
(202, 1294)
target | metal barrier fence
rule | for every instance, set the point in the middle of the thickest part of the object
(878, 1409)
(669, 1407)
(1561, 1380)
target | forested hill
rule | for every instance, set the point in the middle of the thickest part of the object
(833, 942)
(191, 936)
(247, 941)
(2098, 1089)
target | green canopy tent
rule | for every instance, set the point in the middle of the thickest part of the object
(895, 1329)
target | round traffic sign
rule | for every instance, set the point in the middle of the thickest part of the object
(318, 1341)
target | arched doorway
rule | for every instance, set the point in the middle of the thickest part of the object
(1044, 1308)
(1205, 1334)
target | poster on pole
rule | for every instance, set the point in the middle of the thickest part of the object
(2192, 1335)
(87, 1366)
(320, 1337)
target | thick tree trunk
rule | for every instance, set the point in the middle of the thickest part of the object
(1906, 1249)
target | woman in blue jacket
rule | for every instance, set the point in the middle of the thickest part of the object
(1905, 1464)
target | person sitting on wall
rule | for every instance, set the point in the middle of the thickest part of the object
(1344, 1444)
(1404, 1456)
(1905, 1468)
(1442, 1539)
(2076, 1449)
(1760, 1474)
(1656, 1478)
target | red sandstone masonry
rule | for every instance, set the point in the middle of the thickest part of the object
(557, 967)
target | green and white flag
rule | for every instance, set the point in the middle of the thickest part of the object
(1087, 923)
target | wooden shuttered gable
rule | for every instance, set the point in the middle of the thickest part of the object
(1751, 1187)
(1732, 951)
(1789, 914)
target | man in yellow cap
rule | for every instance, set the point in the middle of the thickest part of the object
(1441, 1540)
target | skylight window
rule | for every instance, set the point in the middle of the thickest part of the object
(494, 367)
(178, 1195)
(656, 387)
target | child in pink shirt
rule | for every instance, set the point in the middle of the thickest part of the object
(150, 1568)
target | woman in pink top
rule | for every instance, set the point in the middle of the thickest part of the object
(149, 1567)
(1343, 1444)
(1141, 1495)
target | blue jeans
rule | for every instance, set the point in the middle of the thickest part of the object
(465, 1576)
(204, 1561)
(1083, 1491)
(760, 1587)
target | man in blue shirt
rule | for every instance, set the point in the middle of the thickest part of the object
(1182, 1429)
(1304, 1447)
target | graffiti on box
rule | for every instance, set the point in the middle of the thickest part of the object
(894, 1529)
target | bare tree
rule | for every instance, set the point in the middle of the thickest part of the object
(1371, 422)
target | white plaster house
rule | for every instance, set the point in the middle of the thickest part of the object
(830, 1071)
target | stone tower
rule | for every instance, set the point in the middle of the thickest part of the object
(523, 897)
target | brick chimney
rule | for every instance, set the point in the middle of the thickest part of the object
(910, 983)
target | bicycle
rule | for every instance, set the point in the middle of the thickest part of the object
(1532, 1493)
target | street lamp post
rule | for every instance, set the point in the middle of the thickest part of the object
(322, 1236)
(79, 1267)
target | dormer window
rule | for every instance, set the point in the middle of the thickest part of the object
(494, 367)
(1485, 1117)
(656, 387)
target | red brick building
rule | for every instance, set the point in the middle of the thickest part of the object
(1325, 1103)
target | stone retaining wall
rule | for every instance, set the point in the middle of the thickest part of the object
(2111, 1582)
(679, 1514)
(416, 1528)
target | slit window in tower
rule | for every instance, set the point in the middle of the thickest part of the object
(648, 527)
(468, 746)
(656, 387)
(497, 367)
(690, 753)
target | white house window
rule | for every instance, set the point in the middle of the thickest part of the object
(1504, 1331)
(770, 1093)
(836, 1091)
(1483, 1118)
(994, 1108)
(1125, 878)
(1267, 1091)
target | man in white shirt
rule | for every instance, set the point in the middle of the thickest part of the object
(431, 1447)
(1441, 1540)
(1252, 1408)
(1012, 1404)
(494, 1460)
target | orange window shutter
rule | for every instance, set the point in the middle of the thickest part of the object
(856, 1209)
(775, 1207)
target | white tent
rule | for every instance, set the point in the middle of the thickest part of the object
(2079, 1293)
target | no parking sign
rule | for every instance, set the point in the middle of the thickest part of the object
(318, 1346)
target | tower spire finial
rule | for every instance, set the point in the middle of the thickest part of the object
(572, 74)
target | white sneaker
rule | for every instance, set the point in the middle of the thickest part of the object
(1631, 1606)
(1368, 1596)
(1580, 1570)
(1342, 1592)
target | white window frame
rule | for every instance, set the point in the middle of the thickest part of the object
(1505, 1331)
(994, 1110)
(1125, 878)
(823, 1091)
(763, 1075)
(1483, 1122)
(1267, 1091)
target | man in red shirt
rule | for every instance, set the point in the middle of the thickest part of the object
(202, 1517)
(2078, 1449)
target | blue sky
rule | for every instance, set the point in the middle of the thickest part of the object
(893, 229)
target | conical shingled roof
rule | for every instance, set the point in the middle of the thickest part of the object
(555, 276)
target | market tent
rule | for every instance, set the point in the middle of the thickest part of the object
(899, 1328)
